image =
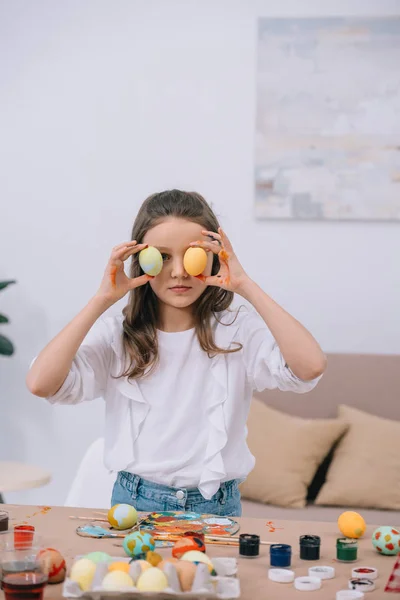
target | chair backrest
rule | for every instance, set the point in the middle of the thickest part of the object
(93, 483)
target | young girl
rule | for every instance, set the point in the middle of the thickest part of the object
(177, 369)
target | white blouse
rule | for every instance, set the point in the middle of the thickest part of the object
(217, 424)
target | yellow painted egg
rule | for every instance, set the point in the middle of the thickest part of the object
(186, 574)
(117, 581)
(195, 556)
(151, 261)
(152, 580)
(119, 566)
(351, 524)
(122, 516)
(195, 261)
(82, 572)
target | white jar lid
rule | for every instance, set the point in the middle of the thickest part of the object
(367, 572)
(307, 584)
(349, 595)
(361, 584)
(322, 572)
(281, 575)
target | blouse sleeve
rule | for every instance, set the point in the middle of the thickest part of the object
(265, 366)
(87, 378)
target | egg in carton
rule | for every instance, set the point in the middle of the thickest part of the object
(204, 587)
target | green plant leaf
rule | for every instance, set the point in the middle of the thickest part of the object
(4, 319)
(6, 347)
(4, 284)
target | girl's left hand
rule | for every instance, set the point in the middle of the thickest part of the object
(231, 275)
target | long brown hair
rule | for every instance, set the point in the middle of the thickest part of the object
(141, 315)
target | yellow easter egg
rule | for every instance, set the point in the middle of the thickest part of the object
(122, 516)
(351, 524)
(119, 566)
(195, 261)
(82, 571)
(117, 581)
(152, 580)
(151, 261)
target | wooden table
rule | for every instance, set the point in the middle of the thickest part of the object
(59, 531)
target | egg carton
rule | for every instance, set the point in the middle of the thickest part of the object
(224, 586)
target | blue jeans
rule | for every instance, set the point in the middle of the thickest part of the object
(146, 496)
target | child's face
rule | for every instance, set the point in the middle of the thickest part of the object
(173, 285)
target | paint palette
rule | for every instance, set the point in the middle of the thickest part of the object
(176, 523)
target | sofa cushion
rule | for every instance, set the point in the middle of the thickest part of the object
(365, 470)
(288, 451)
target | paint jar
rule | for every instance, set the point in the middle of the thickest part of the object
(3, 520)
(280, 555)
(346, 549)
(310, 547)
(249, 545)
(23, 536)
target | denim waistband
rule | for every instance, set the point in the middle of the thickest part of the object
(134, 483)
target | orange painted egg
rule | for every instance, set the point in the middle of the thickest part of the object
(53, 564)
(185, 544)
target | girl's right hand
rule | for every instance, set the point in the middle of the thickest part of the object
(115, 283)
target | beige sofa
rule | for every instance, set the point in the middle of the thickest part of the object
(367, 382)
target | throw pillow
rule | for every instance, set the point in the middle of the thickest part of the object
(288, 451)
(365, 470)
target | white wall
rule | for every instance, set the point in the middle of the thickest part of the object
(104, 102)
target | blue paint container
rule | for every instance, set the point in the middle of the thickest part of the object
(280, 555)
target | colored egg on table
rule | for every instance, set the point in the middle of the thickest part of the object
(386, 540)
(137, 544)
(185, 544)
(98, 557)
(152, 580)
(119, 566)
(151, 261)
(82, 572)
(351, 524)
(117, 581)
(195, 556)
(195, 261)
(122, 516)
(53, 563)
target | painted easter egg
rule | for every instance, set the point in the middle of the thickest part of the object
(137, 544)
(98, 557)
(185, 544)
(53, 563)
(152, 580)
(122, 516)
(117, 581)
(82, 572)
(386, 540)
(151, 261)
(351, 524)
(196, 557)
(119, 566)
(195, 261)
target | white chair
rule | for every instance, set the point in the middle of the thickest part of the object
(93, 483)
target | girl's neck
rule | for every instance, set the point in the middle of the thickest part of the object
(175, 319)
